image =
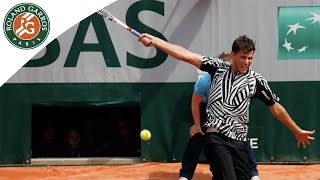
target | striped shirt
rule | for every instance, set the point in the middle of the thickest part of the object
(230, 97)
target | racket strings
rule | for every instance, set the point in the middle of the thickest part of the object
(105, 14)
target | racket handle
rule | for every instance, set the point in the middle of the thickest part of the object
(135, 32)
(149, 41)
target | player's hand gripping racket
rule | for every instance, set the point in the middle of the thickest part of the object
(110, 17)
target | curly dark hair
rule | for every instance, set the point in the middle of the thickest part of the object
(245, 43)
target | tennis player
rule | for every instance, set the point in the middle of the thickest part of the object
(232, 89)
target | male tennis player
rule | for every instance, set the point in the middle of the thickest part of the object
(232, 89)
(195, 144)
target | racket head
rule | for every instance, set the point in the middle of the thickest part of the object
(106, 14)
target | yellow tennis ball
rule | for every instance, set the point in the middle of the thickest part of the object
(145, 135)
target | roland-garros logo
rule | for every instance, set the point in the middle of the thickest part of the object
(26, 26)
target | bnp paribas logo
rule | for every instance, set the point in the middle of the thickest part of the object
(26, 26)
(299, 32)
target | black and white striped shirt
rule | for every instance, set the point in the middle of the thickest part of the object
(230, 97)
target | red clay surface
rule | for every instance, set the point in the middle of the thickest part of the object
(148, 171)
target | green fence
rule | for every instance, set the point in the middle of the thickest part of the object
(165, 111)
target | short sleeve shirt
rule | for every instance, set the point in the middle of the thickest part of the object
(202, 87)
(230, 96)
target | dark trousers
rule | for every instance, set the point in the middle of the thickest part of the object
(194, 148)
(191, 156)
(252, 161)
(193, 151)
(228, 158)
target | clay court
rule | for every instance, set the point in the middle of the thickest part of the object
(148, 171)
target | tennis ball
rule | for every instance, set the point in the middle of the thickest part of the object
(145, 135)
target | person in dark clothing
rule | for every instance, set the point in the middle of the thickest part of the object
(124, 144)
(47, 146)
(72, 144)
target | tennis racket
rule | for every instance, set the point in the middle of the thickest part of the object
(111, 18)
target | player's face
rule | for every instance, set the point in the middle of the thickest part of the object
(241, 61)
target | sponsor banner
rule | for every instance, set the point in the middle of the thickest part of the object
(298, 32)
(256, 140)
(96, 50)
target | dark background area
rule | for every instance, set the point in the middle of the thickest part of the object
(97, 125)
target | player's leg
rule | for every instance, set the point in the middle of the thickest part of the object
(239, 151)
(219, 157)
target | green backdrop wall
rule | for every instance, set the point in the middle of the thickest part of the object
(165, 111)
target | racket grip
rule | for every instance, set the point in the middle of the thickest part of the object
(136, 33)
(149, 41)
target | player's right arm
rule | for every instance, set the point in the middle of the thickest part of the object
(173, 50)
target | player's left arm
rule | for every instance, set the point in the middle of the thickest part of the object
(264, 93)
(302, 136)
